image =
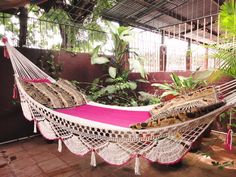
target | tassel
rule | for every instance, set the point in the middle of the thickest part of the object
(137, 166)
(15, 91)
(59, 145)
(35, 126)
(93, 159)
(5, 52)
(228, 141)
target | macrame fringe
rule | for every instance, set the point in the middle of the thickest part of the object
(59, 145)
(15, 91)
(228, 140)
(35, 126)
(137, 166)
(93, 159)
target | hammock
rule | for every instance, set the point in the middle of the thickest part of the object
(104, 130)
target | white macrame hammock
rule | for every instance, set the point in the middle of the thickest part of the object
(116, 145)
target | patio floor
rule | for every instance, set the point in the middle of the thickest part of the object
(35, 158)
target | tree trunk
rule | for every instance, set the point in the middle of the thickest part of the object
(23, 25)
(64, 43)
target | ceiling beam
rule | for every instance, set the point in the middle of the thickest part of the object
(132, 23)
(10, 4)
(4, 5)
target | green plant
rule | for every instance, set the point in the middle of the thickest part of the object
(179, 85)
(222, 165)
(116, 63)
(224, 120)
(48, 64)
(227, 17)
(147, 98)
(226, 51)
(115, 86)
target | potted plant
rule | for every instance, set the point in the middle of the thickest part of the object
(115, 87)
(180, 85)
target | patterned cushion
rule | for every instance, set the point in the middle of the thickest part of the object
(182, 108)
(61, 94)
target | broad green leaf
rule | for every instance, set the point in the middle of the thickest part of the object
(176, 79)
(95, 51)
(111, 89)
(215, 75)
(139, 67)
(202, 75)
(145, 95)
(110, 80)
(112, 72)
(122, 30)
(162, 86)
(127, 38)
(99, 60)
(113, 28)
(133, 103)
(172, 92)
(132, 85)
(142, 80)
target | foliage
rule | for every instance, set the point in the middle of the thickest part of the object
(147, 98)
(48, 64)
(227, 17)
(10, 26)
(115, 88)
(120, 37)
(222, 165)
(75, 37)
(226, 52)
(180, 85)
(120, 92)
(83, 36)
(225, 122)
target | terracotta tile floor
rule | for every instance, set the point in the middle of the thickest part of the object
(35, 158)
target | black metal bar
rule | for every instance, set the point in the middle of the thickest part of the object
(151, 8)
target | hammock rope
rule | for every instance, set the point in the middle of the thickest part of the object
(115, 144)
(24, 68)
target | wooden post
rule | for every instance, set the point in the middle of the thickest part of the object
(205, 64)
(188, 57)
(163, 53)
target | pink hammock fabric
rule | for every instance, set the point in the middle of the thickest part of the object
(122, 118)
